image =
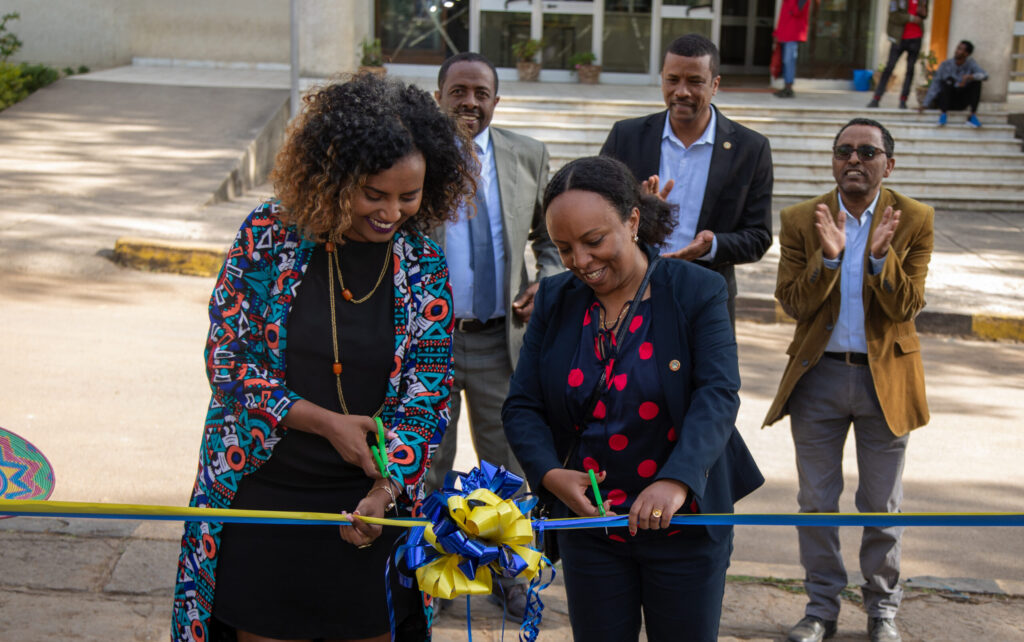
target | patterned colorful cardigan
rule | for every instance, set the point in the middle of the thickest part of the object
(245, 362)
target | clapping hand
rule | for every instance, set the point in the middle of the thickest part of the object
(698, 247)
(650, 186)
(881, 238)
(831, 231)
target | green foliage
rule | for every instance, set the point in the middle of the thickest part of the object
(929, 65)
(373, 56)
(82, 69)
(12, 87)
(9, 42)
(38, 76)
(524, 50)
(581, 58)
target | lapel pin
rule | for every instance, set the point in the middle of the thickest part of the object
(727, 145)
(674, 365)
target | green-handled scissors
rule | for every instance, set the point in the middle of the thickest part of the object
(380, 451)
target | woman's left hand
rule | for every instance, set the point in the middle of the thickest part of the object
(360, 533)
(662, 498)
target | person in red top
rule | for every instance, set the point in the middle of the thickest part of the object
(905, 29)
(790, 30)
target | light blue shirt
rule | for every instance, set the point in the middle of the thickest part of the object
(459, 250)
(689, 168)
(848, 335)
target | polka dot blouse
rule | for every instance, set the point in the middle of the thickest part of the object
(629, 434)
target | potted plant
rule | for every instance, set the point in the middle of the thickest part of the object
(372, 60)
(929, 65)
(586, 71)
(525, 51)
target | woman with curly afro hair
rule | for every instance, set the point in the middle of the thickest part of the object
(332, 309)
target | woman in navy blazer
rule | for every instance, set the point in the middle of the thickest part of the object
(658, 427)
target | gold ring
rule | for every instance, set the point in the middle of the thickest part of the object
(365, 545)
(656, 513)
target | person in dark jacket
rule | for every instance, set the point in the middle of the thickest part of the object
(629, 369)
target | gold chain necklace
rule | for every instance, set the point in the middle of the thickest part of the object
(618, 319)
(345, 292)
(347, 295)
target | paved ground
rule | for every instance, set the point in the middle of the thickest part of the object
(103, 372)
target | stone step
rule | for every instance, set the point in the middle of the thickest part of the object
(802, 169)
(598, 124)
(954, 167)
(957, 134)
(911, 185)
(979, 201)
(977, 160)
(627, 108)
(939, 142)
(905, 160)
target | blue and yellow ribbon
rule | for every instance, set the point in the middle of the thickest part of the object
(45, 508)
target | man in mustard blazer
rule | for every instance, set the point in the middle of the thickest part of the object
(852, 271)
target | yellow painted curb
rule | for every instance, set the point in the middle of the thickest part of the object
(179, 257)
(780, 314)
(989, 327)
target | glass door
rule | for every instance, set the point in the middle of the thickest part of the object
(746, 36)
(497, 25)
(421, 33)
(627, 36)
(837, 41)
(568, 27)
(678, 18)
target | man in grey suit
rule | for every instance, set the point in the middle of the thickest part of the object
(492, 293)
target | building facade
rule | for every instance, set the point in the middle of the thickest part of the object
(628, 37)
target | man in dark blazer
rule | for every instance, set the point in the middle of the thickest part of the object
(492, 291)
(718, 172)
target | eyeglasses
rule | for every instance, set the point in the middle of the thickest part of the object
(864, 152)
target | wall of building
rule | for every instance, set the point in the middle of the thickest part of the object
(109, 33)
(331, 35)
(64, 33)
(989, 25)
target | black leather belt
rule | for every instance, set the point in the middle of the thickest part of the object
(851, 358)
(475, 325)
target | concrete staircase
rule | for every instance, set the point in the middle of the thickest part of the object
(956, 167)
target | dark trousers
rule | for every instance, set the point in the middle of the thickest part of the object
(913, 47)
(675, 577)
(953, 98)
(824, 403)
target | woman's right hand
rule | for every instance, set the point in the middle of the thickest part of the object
(570, 486)
(347, 433)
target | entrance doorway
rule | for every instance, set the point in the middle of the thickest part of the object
(746, 36)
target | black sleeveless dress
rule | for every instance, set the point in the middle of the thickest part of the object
(305, 581)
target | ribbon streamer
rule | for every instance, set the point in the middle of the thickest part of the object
(40, 508)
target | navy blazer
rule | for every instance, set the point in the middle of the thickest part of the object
(737, 203)
(695, 350)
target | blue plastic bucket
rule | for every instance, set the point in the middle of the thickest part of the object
(862, 79)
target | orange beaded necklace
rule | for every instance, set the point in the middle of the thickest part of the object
(347, 295)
